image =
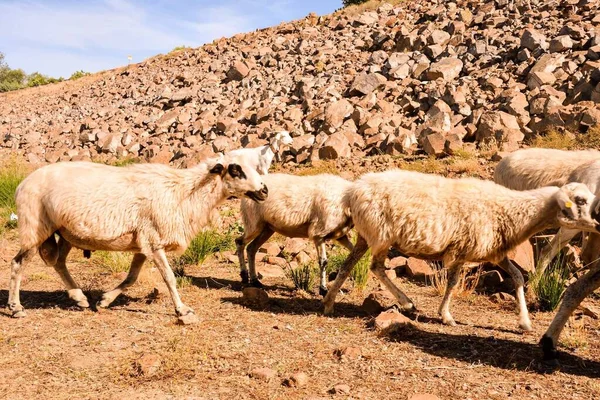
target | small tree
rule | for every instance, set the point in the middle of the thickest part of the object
(353, 2)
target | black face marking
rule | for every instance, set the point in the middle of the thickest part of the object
(217, 169)
(236, 171)
(580, 201)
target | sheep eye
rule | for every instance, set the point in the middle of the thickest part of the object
(565, 213)
(580, 201)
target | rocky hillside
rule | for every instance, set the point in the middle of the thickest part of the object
(423, 75)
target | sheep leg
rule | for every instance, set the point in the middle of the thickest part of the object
(574, 295)
(132, 276)
(359, 250)
(590, 253)
(378, 269)
(60, 266)
(240, 247)
(345, 241)
(322, 256)
(252, 249)
(160, 259)
(14, 299)
(454, 269)
(550, 251)
(517, 277)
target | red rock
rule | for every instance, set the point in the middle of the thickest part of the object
(271, 248)
(391, 319)
(423, 396)
(148, 364)
(263, 374)
(255, 295)
(419, 269)
(336, 146)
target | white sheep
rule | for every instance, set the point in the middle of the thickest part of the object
(147, 209)
(262, 157)
(533, 168)
(457, 221)
(536, 167)
(298, 206)
(573, 296)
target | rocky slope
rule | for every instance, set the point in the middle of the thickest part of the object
(431, 76)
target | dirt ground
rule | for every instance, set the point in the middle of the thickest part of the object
(60, 352)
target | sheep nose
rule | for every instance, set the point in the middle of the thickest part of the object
(264, 190)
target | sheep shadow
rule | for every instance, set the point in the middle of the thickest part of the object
(492, 351)
(299, 306)
(32, 300)
(209, 282)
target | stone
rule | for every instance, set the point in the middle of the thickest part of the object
(438, 37)
(419, 269)
(256, 296)
(271, 248)
(280, 261)
(238, 71)
(337, 112)
(522, 257)
(589, 310)
(340, 388)
(533, 40)
(453, 144)
(366, 83)
(391, 319)
(349, 353)
(294, 246)
(434, 144)
(188, 319)
(502, 297)
(489, 280)
(378, 301)
(263, 374)
(501, 127)
(539, 79)
(561, 43)
(148, 364)
(297, 380)
(447, 68)
(336, 146)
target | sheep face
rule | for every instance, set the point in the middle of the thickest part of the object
(284, 138)
(240, 180)
(579, 208)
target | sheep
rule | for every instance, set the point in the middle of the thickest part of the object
(456, 220)
(573, 296)
(298, 206)
(533, 168)
(262, 157)
(147, 209)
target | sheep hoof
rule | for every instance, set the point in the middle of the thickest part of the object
(244, 275)
(410, 307)
(19, 314)
(257, 284)
(550, 352)
(449, 321)
(328, 310)
(323, 291)
(526, 326)
(102, 304)
(83, 304)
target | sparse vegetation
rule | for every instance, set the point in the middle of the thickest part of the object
(179, 48)
(208, 242)
(114, 261)
(468, 279)
(547, 288)
(78, 74)
(14, 79)
(360, 272)
(320, 167)
(11, 175)
(554, 139)
(303, 276)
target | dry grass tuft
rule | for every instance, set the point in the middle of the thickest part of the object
(467, 282)
(11, 175)
(320, 167)
(114, 261)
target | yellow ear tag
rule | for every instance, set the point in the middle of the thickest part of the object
(568, 204)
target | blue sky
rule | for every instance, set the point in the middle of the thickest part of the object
(57, 38)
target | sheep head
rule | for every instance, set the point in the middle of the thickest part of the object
(579, 208)
(239, 180)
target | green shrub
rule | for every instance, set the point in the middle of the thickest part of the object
(206, 243)
(303, 276)
(347, 3)
(37, 79)
(11, 175)
(360, 272)
(78, 74)
(548, 287)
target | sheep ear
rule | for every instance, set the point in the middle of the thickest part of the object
(217, 169)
